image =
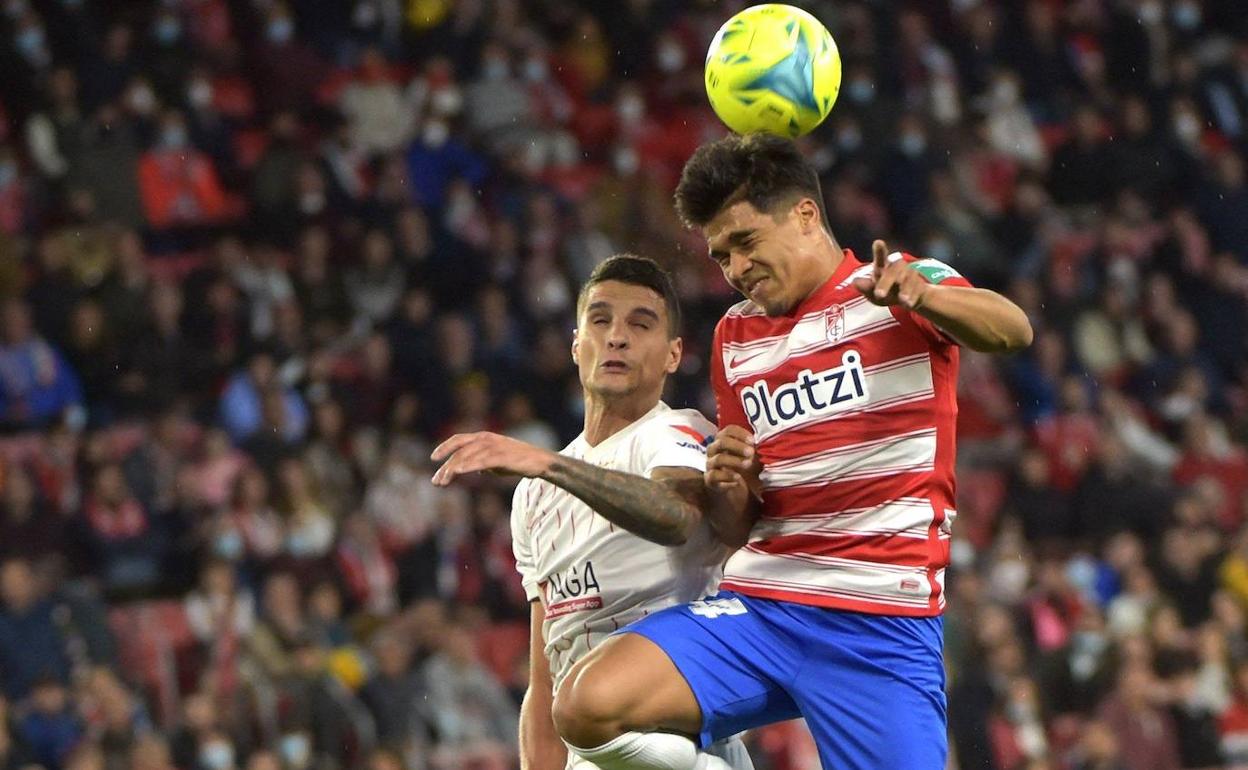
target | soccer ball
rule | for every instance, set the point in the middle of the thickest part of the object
(773, 68)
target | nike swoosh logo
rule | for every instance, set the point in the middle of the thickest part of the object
(735, 362)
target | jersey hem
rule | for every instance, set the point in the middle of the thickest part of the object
(830, 602)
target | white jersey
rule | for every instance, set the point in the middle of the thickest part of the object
(593, 576)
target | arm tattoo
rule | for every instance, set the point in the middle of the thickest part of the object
(661, 511)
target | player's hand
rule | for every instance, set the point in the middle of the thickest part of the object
(475, 452)
(892, 282)
(732, 461)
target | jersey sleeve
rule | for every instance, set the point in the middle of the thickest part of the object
(521, 540)
(943, 274)
(727, 405)
(676, 439)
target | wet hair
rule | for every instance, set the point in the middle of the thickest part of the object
(636, 271)
(769, 172)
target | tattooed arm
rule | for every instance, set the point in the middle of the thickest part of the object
(664, 509)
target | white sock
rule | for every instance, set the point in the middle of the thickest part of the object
(650, 751)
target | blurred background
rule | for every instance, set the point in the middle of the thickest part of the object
(258, 257)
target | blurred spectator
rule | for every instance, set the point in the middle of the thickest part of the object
(178, 183)
(474, 718)
(50, 729)
(32, 645)
(36, 385)
(242, 402)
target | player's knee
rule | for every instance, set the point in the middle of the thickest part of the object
(589, 710)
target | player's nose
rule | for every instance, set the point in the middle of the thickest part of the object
(617, 335)
(739, 263)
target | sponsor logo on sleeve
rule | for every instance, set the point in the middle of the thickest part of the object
(700, 442)
(934, 270)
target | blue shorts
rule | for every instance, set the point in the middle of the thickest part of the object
(871, 687)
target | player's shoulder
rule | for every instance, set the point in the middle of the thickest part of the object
(678, 424)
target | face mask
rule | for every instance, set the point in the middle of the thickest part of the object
(281, 30)
(30, 41)
(1186, 16)
(535, 70)
(939, 249)
(1005, 92)
(625, 161)
(1150, 13)
(671, 57)
(912, 145)
(1187, 128)
(849, 139)
(168, 29)
(228, 545)
(631, 109)
(435, 134)
(142, 101)
(860, 91)
(494, 69)
(446, 101)
(199, 94)
(173, 138)
(217, 755)
(294, 750)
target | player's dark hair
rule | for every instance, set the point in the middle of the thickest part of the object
(637, 271)
(767, 171)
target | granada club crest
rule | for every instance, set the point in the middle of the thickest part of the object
(834, 317)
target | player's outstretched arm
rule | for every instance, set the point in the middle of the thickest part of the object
(980, 319)
(540, 745)
(664, 509)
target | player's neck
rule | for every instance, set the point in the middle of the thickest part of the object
(604, 417)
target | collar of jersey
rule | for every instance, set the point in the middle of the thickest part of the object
(619, 435)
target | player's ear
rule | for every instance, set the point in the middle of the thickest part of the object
(576, 347)
(675, 349)
(808, 217)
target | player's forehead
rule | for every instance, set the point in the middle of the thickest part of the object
(622, 297)
(733, 222)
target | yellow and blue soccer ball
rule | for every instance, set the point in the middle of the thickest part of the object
(773, 68)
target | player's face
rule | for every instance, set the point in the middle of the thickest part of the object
(622, 345)
(772, 260)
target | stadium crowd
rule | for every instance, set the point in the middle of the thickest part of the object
(257, 257)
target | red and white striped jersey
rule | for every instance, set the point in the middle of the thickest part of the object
(592, 576)
(853, 408)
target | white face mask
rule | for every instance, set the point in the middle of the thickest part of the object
(670, 57)
(626, 161)
(142, 100)
(281, 30)
(435, 134)
(535, 69)
(199, 94)
(494, 69)
(1187, 128)
(631, 109)
(1005, 92)
(446, 101)
(217, 755)
(912, 144)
